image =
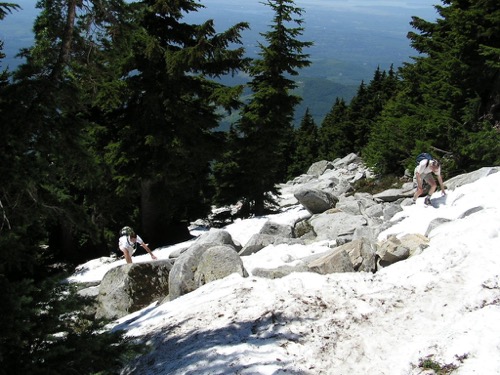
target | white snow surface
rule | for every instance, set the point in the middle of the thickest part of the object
(442, 305)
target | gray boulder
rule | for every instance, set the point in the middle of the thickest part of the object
(396, 249)
(347, 160)
(217, 237)
(316, 201)
(259, 241)
(392, 195)
(362, 254)
(131, 287)
(276, 229)
(468, 178)
(318, 168)
(281, 271)
(216, 263)
(332, 224)
(181, 278)
(434, 224)
(470, 211)
(391, 209)
(335, 261)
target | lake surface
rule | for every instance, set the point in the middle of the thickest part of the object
(351, 39)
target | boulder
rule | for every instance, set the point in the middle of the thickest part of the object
(318, 168)
(281, 271)
(316, 201)
(335, 261)
(276, 229)
(434, 224)
(216, 263)
(392, 195)
(259, 241)
(470, 211)
(362, 254)
(329, 226)
(217, 237)
(468, 178)
(131, 287)
(396, 249)
(181, 279)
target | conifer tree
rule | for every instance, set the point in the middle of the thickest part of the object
(449, 96)
(162, 136)
(335, 132)
(47, 168)
(265, 125)
(305, 149)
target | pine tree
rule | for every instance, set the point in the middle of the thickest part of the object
(47, 168)
(162, 137)
(449, 96)
(265, 126)
(335, 133)
(305, 150)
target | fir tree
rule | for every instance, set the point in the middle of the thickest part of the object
(162, 137)
(265, 126)
(449, 96)
(305, 150)
(335, 132)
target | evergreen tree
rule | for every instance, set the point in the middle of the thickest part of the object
(265, 125)
(449, 96)
(47, 168)
(226, 172)
(163, 134)
(335, 133)
(305, 150)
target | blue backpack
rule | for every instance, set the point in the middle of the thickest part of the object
(424, 156)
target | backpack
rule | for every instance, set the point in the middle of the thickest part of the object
(126, 231)
(424, 156)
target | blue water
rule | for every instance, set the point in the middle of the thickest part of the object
(365, 32)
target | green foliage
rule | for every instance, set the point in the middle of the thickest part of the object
(305, 147)
(448, 98)
(265, 126)
(6, 8)
(336, 132)
(428, 363)
(160, 140)
(347, 129)
(48, 332)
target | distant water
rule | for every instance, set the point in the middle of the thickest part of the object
(366, 32)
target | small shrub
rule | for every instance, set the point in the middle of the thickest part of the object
(428, 363)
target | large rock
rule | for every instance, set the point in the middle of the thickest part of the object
(396, 249)
(181, 278)
(217, 263)
(329, 226)
(260, 240)
(281, 271)
(277, 229)
(217, 237)
(362, 254)
(337, 260)
(392, 195)
(316, 201)
(318, 168)
(131, 287)
(468, 178)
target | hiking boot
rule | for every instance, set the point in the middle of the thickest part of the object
(427, 201)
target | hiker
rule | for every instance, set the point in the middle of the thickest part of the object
(423, 172)
(128, 243)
